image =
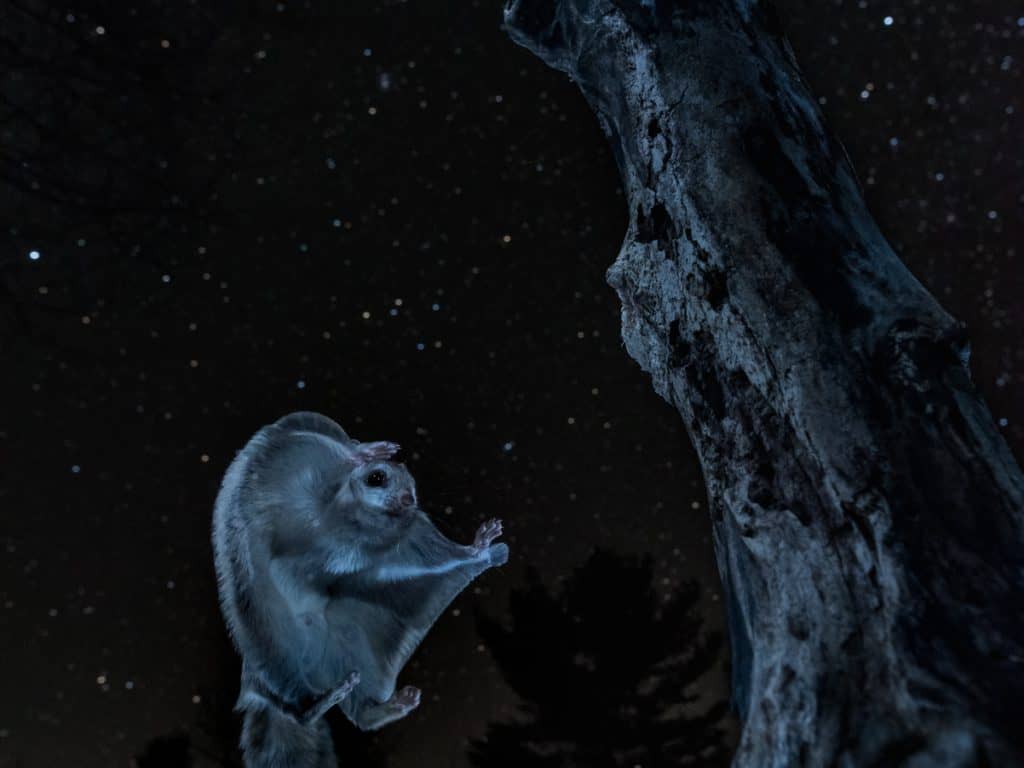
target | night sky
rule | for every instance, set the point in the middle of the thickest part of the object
(214, 213)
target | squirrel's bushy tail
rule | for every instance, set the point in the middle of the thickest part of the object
(271, 739)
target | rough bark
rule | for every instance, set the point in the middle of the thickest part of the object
(867, 514)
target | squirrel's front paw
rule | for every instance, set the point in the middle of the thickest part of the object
(486, 533)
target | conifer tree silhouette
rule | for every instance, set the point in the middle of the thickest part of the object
(606, 672)
(212, 739)
(171, 751)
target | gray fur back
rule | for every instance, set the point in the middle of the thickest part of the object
(237, 504)
(231, 554)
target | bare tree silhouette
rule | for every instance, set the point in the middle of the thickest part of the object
(608, 674)
(113, 132)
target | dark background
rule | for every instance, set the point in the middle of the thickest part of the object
(387, 212)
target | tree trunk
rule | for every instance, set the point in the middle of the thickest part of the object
(867, 514)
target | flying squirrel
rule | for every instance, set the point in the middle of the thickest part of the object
(329, 576)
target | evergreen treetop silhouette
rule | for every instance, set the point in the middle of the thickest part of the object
(212, 739)
(607, 673)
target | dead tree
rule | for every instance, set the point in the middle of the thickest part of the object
(867, 514)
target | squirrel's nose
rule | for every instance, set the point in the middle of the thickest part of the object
(406, 499)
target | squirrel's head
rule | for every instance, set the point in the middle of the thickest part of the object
(378, 496)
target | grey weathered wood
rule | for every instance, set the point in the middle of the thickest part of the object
(867, 514)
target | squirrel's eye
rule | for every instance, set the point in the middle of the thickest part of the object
(376, 479)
